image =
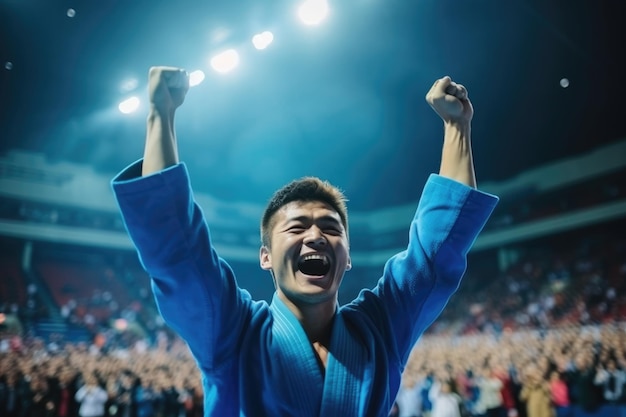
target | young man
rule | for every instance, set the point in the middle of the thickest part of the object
(302, 355)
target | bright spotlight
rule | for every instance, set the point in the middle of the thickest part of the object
(195, 78)
(312, 12)
(262, 40)
(129, 105)
(225, 61)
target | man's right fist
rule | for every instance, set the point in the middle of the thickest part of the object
(167, 87)
(450, 101)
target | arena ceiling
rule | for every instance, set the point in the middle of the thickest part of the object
(343, 100)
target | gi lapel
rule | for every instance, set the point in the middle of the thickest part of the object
(298, 366)
(347, 361)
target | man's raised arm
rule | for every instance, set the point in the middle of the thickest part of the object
(167, 88)
(451, 103)
(195, 289)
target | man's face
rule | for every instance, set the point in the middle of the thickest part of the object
(309, 252)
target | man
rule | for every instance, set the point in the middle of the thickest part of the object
(409, 399)
(91, 397)
(302, 355)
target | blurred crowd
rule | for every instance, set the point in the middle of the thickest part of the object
(542, 335)
(39, 379)
(528, 373)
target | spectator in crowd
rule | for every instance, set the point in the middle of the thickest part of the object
(490, 386)
(15, 395)
(424, 392)
(408, 399)
(92, 397)
(506, 392)
(559, 394)
(446, 402)
(42, 404)
(468, 389)
(145, 397)
(536, 394)
(583, 390)
(612, 381)
(123, 392)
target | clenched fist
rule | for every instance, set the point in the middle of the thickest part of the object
(450, 101)
(167, 87)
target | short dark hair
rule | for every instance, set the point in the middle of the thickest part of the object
(303, 189)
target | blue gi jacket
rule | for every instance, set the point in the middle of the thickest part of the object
(255, 357)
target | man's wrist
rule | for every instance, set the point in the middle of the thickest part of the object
(156, 113)
(458, 129)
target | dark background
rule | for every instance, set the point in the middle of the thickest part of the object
(343, 100)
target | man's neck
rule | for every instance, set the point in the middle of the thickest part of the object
(318, 322)
(316, 319)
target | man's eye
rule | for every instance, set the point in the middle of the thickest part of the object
(332, 230)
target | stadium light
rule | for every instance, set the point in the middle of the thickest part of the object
(225, 61)
(195, 78)
(129, 105)
(312, 12)
(262, 40)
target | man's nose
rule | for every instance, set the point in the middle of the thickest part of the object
(315, 237)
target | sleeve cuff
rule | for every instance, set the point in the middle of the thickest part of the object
(130, 180)
(478, 196)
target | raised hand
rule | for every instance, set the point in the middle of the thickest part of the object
(450, 101)
(167, 87)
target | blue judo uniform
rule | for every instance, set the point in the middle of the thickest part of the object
(255, 357)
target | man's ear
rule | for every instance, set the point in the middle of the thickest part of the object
(265, 258)
(349, 264)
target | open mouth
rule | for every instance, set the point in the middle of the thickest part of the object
(314, 264)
